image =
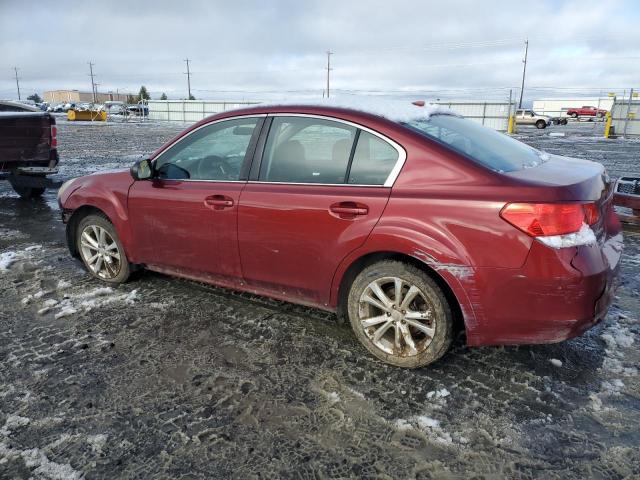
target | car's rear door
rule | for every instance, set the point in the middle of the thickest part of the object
(184, 220)
(317, 188)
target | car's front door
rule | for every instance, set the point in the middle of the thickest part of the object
(321, 187)
(184, 220)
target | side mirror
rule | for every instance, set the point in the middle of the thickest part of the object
(141, 170)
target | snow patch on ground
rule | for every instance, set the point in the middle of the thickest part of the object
(436, 394)
(12, 422)
(87, 301)
(97, 442)
(72, 303)
(43, 467)
(423, 423)
(8, 234)
(8, 258)
(555, 362)
(618, 337)
(333, 397)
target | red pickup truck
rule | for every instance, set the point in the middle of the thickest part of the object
(586, 111)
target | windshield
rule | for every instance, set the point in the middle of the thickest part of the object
(492, 149)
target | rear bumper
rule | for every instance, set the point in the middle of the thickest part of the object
(556, 295)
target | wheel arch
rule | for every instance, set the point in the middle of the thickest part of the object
(77, 215)
(370, 258)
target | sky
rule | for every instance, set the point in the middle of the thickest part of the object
(258, 50)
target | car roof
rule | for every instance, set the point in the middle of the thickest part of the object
(393, 110)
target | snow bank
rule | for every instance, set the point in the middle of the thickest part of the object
(394, 110)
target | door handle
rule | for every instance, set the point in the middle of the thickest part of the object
(218, 202)
(349, 209)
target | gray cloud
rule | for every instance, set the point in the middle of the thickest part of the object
(256, 49)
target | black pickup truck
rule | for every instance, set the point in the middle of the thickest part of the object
(28, 151)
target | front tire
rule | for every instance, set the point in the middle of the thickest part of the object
(400, 314)
(540, 124)
(101, 250)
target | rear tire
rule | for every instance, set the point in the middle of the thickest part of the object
(540, 124)
(101, 250)
(410, 330)
(27, 192)
(564, 121)
(574, 115)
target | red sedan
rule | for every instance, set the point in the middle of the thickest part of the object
(409, 224)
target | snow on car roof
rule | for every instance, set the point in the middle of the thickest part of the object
(400, 111)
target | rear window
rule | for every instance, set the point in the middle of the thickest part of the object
(487, 147)
(373, 160)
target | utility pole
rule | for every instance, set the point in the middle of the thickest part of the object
(329, 53)
(524, 70)
(188, 74)
(17, 82)
(93, 85)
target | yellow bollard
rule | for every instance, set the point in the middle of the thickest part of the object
(511, 125)
(607, 125)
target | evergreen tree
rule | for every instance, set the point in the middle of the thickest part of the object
(144, 95)
(191, 97)
(163, 96)
(35, 97)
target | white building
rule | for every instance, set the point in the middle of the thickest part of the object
(557, 107)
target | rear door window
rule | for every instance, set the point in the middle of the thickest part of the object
(307, 150)
(373, 160)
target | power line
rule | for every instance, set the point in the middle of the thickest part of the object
(188, 73)
(329, 53)
(17, 81)
(524, 70)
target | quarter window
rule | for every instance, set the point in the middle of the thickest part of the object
(307, 150)
(214, 152)
(373, 160)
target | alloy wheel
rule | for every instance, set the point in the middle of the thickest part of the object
(397, 316)
(100, 251)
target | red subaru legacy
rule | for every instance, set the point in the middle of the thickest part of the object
(408, 223)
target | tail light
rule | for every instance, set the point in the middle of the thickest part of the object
(54, 136)
(556, 224)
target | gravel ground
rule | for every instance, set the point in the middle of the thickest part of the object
(167, 378)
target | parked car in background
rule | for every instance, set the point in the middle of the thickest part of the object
(586, 111)
(407, 224)
(28, 151)
(11, 106)
(529, 117)
(138, 110)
